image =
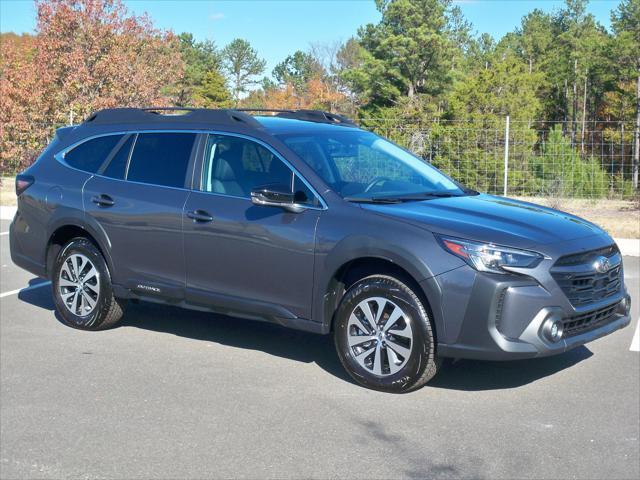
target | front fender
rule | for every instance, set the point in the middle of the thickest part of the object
(343, 240)
(361, 246)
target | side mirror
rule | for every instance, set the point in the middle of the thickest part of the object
(276, 196)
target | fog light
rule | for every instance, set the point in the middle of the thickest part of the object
(624, 307)
(553, 330)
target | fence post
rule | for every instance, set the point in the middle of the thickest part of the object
(506, 155)
(636, 140)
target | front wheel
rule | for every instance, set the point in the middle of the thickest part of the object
(384, 337)
(82, 289)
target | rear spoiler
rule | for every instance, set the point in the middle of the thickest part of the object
(62, 132)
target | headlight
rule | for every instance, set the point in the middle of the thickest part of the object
(485, 257)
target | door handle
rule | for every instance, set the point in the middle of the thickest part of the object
(200, 216)
(103, 200)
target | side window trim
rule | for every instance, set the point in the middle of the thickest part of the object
(133, 146)
(199, 160)
(200, 165)
(197, 151)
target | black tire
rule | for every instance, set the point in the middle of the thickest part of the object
(419, 366)
(108, 310)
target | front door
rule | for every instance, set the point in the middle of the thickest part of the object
(251, 258)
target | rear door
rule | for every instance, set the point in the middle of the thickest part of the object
(136, 200)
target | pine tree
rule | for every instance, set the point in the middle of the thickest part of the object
(242, 64)
(213, 92)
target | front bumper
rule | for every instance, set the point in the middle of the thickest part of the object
(505, 316)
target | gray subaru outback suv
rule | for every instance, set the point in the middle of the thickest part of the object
(302, 219)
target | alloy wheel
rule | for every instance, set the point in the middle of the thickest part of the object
(79, 284)
(380, 336)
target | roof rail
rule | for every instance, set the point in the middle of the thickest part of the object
(318, 116)
(164, 114)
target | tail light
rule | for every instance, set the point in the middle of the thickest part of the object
(23, 182)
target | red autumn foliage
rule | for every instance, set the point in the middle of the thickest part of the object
(317, 94)
(86, 55)
(23, 112)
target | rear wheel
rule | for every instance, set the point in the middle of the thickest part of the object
(82, 289)
(384, 337)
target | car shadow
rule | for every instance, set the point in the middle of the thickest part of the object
(237, 332)
(40, 297)
(477, 375)
(466, 375)
(210, 327)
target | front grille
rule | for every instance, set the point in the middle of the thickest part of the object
(581, 283)
(586, 288)
(588, 321)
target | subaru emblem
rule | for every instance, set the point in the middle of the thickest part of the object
(602, 264)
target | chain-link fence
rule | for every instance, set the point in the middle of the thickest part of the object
(495, 155)
(522, 158)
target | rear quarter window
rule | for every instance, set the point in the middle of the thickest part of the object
(161, 158)
(90, 155)
(118, 164)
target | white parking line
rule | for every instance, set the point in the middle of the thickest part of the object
(25, 289)
(4, 233)
(635, 343)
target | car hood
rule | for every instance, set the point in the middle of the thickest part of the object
(492, 219)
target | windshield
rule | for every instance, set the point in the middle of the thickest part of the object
(360, 165)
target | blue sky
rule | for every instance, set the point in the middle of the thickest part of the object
(278, 28)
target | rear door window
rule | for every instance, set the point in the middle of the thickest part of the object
(161, 158)
(90, 155)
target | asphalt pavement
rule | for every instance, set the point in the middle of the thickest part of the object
(180, 394)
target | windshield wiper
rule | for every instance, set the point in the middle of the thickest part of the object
(414, 197)
(410, 197)
(440, 194)
(373, 200)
